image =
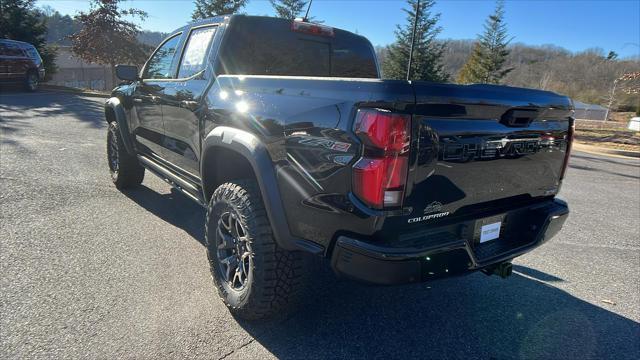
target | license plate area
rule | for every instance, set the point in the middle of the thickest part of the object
(489, 229)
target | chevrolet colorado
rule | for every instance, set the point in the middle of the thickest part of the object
(285, 132)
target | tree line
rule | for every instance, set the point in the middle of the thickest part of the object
(585, 76)
(492, 58)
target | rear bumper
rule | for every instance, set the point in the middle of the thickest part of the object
(453, 255)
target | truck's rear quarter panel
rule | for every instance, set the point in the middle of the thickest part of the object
(306, 122)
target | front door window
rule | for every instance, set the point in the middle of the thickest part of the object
(159, 65)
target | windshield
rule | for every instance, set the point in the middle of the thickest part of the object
(33, 54)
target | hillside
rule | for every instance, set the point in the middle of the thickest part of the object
(586, 76)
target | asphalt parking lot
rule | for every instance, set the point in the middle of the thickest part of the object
(89, 272)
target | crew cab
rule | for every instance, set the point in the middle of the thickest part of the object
(285, 132)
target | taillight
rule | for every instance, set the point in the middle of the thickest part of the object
(380, 176)
(567, 154)
(311, 29)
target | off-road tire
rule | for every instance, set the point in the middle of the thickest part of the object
(274, 281)
(124, 168)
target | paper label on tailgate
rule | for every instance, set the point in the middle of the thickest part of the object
(490, 232)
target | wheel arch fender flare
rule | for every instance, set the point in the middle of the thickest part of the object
(255, 152)
(114, 106)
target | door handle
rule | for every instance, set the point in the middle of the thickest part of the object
(187, 104)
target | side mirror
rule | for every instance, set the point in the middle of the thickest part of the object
(127, 72)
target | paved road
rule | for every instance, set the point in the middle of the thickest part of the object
(87, 271)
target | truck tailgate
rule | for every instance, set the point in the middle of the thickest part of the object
(480, 147)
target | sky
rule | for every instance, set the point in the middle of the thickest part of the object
(572, 24)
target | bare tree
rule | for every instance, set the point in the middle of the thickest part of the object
(106, 37)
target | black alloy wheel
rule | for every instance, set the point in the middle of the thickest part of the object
(233, 251)
(124, 168)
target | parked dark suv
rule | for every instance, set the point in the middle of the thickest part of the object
(20, 63)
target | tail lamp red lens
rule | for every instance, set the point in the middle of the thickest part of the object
(567, 154)
(380, 176)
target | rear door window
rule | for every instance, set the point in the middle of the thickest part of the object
(195, 53)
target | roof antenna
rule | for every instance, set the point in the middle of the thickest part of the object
(413, 40)
(306, 16)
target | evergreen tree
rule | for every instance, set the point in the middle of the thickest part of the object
(20, 20)
(288, 9)
(487, 61)
(427, 51)
(209, 8)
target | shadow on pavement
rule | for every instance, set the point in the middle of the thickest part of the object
(586, 168)
(467, 317)
(606, 159)
(46, 103)
(174, 208)
(538, 275)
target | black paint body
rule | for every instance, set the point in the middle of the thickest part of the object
(294, 134)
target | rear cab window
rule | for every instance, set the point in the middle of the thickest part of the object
(268, 46)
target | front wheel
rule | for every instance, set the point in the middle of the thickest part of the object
(254, 276)
(124, 168)
(31, 81)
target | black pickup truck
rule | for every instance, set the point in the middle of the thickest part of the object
(285, 132)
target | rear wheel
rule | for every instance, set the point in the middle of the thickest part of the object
(124, 168)
(254, 276)
(31, 81)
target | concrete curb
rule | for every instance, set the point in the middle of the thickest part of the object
(76, 91)
(606, 151)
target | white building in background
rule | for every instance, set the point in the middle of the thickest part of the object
(74, 72)
(589, 111)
